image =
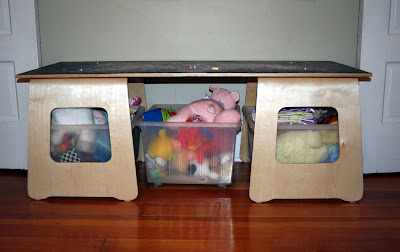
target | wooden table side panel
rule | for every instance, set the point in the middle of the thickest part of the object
(115, 178)
(342, 179)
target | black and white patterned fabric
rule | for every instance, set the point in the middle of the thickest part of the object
(70, 156)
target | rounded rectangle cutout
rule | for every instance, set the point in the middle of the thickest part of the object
(80, 135)
(307, 135)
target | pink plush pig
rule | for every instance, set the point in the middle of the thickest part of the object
(226, 98)
(228, 101)
(219, 108)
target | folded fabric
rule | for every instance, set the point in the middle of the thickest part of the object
(72, 116)
(300, 116)
(301, 147)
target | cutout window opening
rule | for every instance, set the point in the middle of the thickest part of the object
(80, 135)
(307, 135)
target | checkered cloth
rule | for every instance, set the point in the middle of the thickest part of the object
(70, 156)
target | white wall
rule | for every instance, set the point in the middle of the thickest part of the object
(78, 30)
(200, 30)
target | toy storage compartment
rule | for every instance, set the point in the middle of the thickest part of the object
(80, 143)
(300, 143)
(188, 153)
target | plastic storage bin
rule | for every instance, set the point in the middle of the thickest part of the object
(300, 143)
(86, 142)
(80, 143)
(188, 153)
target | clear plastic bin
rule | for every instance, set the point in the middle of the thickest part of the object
(86, 142)
(80, 143)
(307, 144)
(301, 143)
(188, 153)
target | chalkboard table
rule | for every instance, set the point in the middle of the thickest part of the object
(271, 85)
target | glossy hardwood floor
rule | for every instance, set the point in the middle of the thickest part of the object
(199, 218)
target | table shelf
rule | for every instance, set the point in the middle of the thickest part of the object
(271, 85)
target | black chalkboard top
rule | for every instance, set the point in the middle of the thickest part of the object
(195, 69)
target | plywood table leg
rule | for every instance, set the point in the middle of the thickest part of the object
(342, 179)
(115, 178)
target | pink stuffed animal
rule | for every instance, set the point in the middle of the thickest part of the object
(219, 108)
(228, 101)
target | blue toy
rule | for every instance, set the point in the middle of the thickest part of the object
(158, 115)
(333, 153)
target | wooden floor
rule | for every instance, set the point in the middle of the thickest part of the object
(199, 218)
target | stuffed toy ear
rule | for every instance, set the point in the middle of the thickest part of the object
(235, 96)
(213, 88)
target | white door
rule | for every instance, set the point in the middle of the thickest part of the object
(18, 53)
(380, 98)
